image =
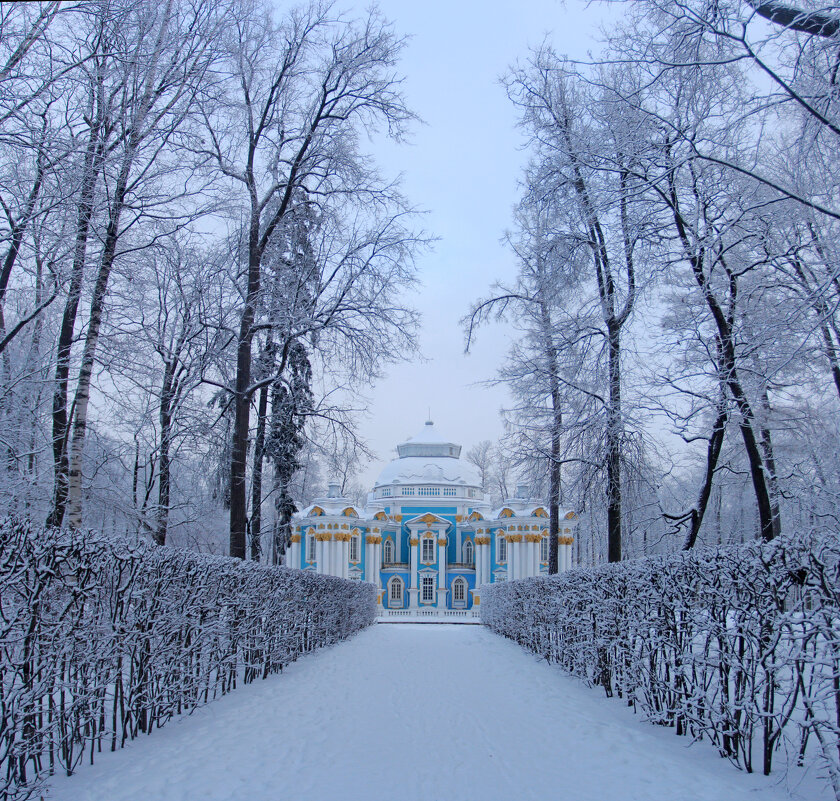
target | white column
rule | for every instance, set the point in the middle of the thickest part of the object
(441, 600)
(412, 593)
(369, 546)
(319, 554)
(377, 562)
(535, 558)
(293, 554)
(345, 559)
(561, 554)
(511, 560)
(479, 563)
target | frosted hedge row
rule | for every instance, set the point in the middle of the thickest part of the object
(101, 641)
(740, 645)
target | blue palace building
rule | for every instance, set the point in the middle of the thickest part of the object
(426, 537)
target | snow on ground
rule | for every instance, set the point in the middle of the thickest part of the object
(417, 711)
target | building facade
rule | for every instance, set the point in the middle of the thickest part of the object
(426, 537)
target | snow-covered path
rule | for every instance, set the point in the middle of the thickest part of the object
(425, 712)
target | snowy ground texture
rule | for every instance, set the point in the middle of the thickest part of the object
(418, 711)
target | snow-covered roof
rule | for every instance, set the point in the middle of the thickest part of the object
(428, 441)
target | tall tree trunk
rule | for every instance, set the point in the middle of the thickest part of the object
(81, 401)
(712, 456)
(257, 475)
(242, 396)
(165, 417)
(554, 488)
(60, 417)
(614, 436)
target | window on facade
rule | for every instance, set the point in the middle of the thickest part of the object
(428, 550)
(459, 591)
(428, 491)
(354, 548)
(501, 549)
(395, 589)
(385, 492)
(408, 490)
(449, 491)
(388, 552)
(471, 493)
(428, 588)
(468, 552)
(310, 548)
(544, 549)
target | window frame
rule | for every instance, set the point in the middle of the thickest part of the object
(468, 554)
(544, 549)
(423, 557)
(427, 582)
(501, 549)
(388, 547)
(395, 582)
(355, 545)
(311, 551)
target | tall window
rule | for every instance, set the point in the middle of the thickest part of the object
(544, 549)
(428, 550)
(388, 552)
(459, 591)
(449, 491)
(501, 549)
(428, 589)
(395, 592)
(468, 552)
(310, 548)
(354, 548)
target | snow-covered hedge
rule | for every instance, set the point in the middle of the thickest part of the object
(101, 641)
(740, 645)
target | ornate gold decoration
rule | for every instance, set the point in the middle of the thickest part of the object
(514, 538)
(373, 540)
(398, 518)
(344, 525)
(540, 512)
(414, 541)
(458, 518)
(482, 540)
(343, 536)
(428, 518)
(476, 516)
(296, 537)
(316, 511)
(476, 600)
(520, 528)
(570, 516)
(380, 516)
(350, 512)
(442, 541)
(323, 536)
(506, 512)
(532, 538)
(320, 525)
(567, 531)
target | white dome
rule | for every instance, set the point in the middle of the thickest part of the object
(429, 458)
(430, 470)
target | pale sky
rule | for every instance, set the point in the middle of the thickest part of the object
(462, 166)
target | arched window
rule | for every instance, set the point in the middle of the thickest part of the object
(395, 592)
(501, 549)
(428, 550)
(468, 552)
(544, 549)
(388, 552)
(310, 547)
(354, 548)
(459, 592)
